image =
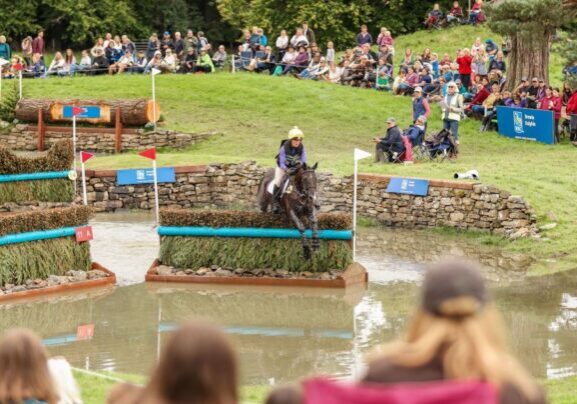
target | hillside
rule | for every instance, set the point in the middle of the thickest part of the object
(254, 112)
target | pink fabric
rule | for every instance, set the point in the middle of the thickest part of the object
(408, 149)
(325, 391)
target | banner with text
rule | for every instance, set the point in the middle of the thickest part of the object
(527, 124)
(145, 176)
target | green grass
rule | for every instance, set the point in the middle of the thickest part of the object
(254, 113)
(562, 391)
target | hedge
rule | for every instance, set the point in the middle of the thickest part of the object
(233, 218)
(58, 158)
(57, 190)
(22, 222)
(252, 253)
(39, 259)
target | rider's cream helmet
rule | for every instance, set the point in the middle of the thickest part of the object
(295, 132)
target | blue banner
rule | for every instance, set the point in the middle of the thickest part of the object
(88, 112)
(527, 124)
(411, 186)
(145, 176)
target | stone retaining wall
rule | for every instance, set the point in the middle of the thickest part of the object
(460, 205)
(99, 140)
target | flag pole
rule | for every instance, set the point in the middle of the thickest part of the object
(84, 196)
(20, 85)
(154, 99)
(355, 173)
(155, 179)
(74, 147)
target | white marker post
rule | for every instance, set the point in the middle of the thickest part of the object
(153, 73)
(84, 157)
(20, 85)
(151, 154)
(3, 62)
(358, 155)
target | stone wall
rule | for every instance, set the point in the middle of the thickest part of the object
(460, 205)
(98, 140)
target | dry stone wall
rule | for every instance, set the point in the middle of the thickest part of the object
(448, 203)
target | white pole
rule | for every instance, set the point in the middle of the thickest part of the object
(156, 207)
(1, 74)
(74, 147)
(84, 196)
(154, 100)
(233, 65)
(355, 210)
(158, 329)
(20, 85)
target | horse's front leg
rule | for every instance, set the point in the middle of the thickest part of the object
(315, 229)
(301, 227)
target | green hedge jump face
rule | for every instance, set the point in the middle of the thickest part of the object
(73, 216)
(58, 158)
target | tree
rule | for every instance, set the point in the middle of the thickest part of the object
(530, 26)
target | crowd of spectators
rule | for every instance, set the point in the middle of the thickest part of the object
(454, 341)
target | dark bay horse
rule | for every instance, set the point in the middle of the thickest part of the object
(298, 204)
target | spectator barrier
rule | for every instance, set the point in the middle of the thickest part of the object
(527, 124)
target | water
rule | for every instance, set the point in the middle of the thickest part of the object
(283, 334)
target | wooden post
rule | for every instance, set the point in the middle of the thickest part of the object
(118, 132)
(41, 130)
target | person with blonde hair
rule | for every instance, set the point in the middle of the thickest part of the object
(63, 379)
(455, 334)
(5, 50)
(24, 374)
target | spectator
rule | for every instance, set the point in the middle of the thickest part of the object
(64, 383)
(189, 63)
(478, 44)
(480, 96)
(425, 78)
(202, 40)
(204, 63)
(567, 93)
(382, 38)
(70, 65)
(107, 40)
(335, 73)
(426, 56)
(408, 59)
(99, 45)
(100, 63)
(412, 81)
(552, 102)
(24, 374)
(455, 334)
(479, 64)
(400, 83)
(139, 64)
(190, 41)
(488, 102)
(113, 53)
(117, 43)
(383, 78)
(169, 62)
(391, 143)
(128, 45)
(571, 111)
(491, 48)
(299, 63)
(299, 39)
(267, 61)
(27, 50)
(542, 90)
(533, 93)
(420, 105)
(498, 63)
(263, 37)
(330, 57)
(364, 37)
(198, 365)
(456, 13)
(254, 40)
(452, 108)
(123, 64)
(434, 17)
(37, 68)
(152, 46)
(219, 57)
(464, 61)
(178, 46)
(434, 64)
(446, 61)
(476, 14)
(38, 44)
(56, 65)
(85, 62)
(166, 43)
(308, 33)
(282, 43)
(5, 51)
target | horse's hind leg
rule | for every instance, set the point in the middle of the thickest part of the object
(301, 227)
(315, 228)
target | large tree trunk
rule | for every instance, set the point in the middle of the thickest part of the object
(529, 57)
(136, 112)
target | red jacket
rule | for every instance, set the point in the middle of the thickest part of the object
(572, 104)
(480, 97)
(556, 108)
(464, 63)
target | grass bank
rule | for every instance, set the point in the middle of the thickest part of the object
(254, 112)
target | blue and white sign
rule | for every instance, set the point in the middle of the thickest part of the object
(411, 186)
(145, 176)
(527, 124)
(84, 112)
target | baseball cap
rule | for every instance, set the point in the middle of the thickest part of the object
(392, 120)
(418, 89)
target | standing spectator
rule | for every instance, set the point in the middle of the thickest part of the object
(330, 56)
(299, 39)
(309, 33)
(166, 43)
(204, 63)
(478, 44)
(567, 93)
(178, 45)
(282, 43)
(455, 334)
(202, 41)
(38, 44)
(420, 105)
(152, 46)
(263, 38)
(542, 90)
(571, 110)
(464, 61)
(27, 50)
(491, 48)
(5, 51)
(190, 41)
(364, 37)
(219, 57)
(254, 40)
(408, 60)
(479, 64)
(498, 63)
(198, 365)
(24, 374)
(128, 45)
(381, 38)
(452, 108)
(552, 102)
(107, 40)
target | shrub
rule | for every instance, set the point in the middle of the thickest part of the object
(58, 190)
(58, 158)
(14, 223)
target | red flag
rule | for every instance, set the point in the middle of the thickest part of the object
(18, 67)
(77, 111)
(84, 156)
(149, 154)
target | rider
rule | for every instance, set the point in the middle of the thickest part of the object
(291, 154)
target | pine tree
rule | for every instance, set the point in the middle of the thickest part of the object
(530, 26)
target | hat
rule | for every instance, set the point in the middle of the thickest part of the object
(392, 120)
(295, 132)
(418, 89)
(166, 33)
(454, 288)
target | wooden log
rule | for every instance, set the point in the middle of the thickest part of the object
(133, 112)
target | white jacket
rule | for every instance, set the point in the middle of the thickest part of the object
(455, 108)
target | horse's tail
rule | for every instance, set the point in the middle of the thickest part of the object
(264, 198)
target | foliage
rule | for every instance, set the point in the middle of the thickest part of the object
(9, 99)
(48, 219)
(252, 253)
(231, 218)
(57, 190)
(39, 259)
(58, 158)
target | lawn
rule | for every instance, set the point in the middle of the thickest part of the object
(252, 113)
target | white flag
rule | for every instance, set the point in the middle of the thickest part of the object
(155, 71)
(361, 154)
(3, 61)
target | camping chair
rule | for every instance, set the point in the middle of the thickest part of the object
(325, 391)
(442, 145)
(245, 58)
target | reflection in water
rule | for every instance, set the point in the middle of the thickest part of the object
(286, 333)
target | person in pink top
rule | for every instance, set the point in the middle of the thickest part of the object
(552, 102)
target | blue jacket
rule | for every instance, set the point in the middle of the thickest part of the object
(5, 51)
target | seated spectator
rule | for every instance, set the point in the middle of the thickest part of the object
(113, 53)
(488, 103)
(139, 64)
(434, 17)
(412, 81)
(128, 45)
(299, 63)
(299, 39)
(476, 14)
(100, 63)
(56, 65)
(99, 45)
(266, 61)
(219, 57)
(169, 62)
(426, 56)
(435, 65)
(64, 383)
(552, 102)
(107, 40)
(391, 143)
(498, 63)
(287, 60)
(477, 101)
(425, 79)
(320, 73)
(446, 60)
(312, 67)
(400, 83)
(197, 365)
(5, 50)
(125, 63)
(383, 80)
(335, 73)
(24, 374)
(330, 56)
(456, 13)
(85, 62)
(364, 37)
(407, 60)
(204, 63)
(491, 48)
(155, 62)
(189, 63)
(416, 132)
(385, 53)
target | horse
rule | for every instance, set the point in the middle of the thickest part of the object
(298, 204)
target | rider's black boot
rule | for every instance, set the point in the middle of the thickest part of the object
(276, 208)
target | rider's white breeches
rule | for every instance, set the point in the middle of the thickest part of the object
(279, 174)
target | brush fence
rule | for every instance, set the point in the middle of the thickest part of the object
(54, 186)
